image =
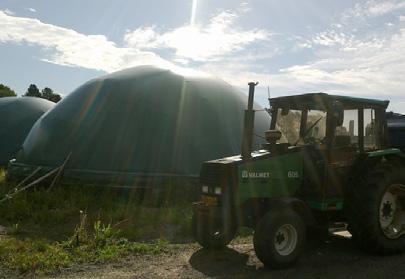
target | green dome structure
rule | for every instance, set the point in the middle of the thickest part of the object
(18, 115)
(139, 123)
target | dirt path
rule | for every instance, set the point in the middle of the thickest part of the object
(334, 257)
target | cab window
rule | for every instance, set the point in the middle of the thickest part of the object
(347, 134)
(370, 137)
(316, 126)
(288, 123)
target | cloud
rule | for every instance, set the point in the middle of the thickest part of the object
(370, 68)
(143, 37)
(373, 8)
(9, 12)
(333, 38)
(32, 10)
(338, 40)
(67, 47)
(378, 8)
(202, 43)
(368, 63)
(350, 57)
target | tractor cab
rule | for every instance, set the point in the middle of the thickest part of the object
(332, 132)
(330, 121)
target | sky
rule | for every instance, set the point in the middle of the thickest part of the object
(354, 48)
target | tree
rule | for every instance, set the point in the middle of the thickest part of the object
(33, 91)
(55, 98)
(47, 93)
(5, 91)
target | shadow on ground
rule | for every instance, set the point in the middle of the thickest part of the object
(218, 263)
(331, 257)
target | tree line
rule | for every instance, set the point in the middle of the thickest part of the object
(32, 91)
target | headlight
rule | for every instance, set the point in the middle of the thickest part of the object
(218, 191)
(204, 189)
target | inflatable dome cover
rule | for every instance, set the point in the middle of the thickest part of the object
(17, 116)
(143, 121)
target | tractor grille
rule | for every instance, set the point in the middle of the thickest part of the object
(212, 174)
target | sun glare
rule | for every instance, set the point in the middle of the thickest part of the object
(193, 12)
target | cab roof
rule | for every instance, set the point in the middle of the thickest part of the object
(323, 101)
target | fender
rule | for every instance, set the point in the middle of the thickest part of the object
(254, 209)
(386, 152)
(299, 206)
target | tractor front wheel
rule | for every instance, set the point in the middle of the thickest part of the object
(212, 232)
(279, 238)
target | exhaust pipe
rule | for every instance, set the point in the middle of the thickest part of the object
(248, 124)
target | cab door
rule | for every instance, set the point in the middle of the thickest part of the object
(357, 134)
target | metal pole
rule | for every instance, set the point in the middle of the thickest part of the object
(247, 136)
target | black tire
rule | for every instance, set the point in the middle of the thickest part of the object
(366, 209)
(267, 232)
(212, 233)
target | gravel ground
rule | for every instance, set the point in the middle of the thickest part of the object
(333, 257)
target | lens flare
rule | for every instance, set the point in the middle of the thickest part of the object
(193, 12)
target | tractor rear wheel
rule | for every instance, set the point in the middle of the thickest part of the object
(279, 238)
(377, 220)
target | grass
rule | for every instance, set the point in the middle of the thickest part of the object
(55, 213)
(70, 225)
(103, 245)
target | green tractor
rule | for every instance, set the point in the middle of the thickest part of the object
(327, 160)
